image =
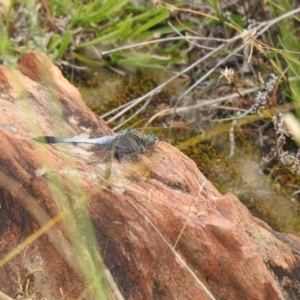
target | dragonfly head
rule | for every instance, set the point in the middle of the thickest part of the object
(150, 141)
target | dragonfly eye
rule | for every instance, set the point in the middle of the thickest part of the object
(150, 141)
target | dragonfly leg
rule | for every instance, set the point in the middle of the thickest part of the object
(109, 164)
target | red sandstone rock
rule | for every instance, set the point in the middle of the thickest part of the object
(162, 230)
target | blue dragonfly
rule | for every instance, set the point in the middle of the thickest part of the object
(128, 142)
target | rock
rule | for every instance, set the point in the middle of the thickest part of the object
(162, 230)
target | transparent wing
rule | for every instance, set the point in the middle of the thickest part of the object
(129, 143)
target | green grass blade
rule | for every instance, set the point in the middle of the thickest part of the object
(163, 15)
(64, 45)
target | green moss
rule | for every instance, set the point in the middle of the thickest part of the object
(269, 197)
(104, 90)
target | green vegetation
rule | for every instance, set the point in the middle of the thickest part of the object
(72, 28)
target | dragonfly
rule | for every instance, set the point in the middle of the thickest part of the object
(128, 142)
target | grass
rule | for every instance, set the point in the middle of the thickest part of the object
(65, 29)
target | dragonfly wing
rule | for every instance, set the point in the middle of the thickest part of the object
(128, 143)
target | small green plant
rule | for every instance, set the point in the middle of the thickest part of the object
(70, 29)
